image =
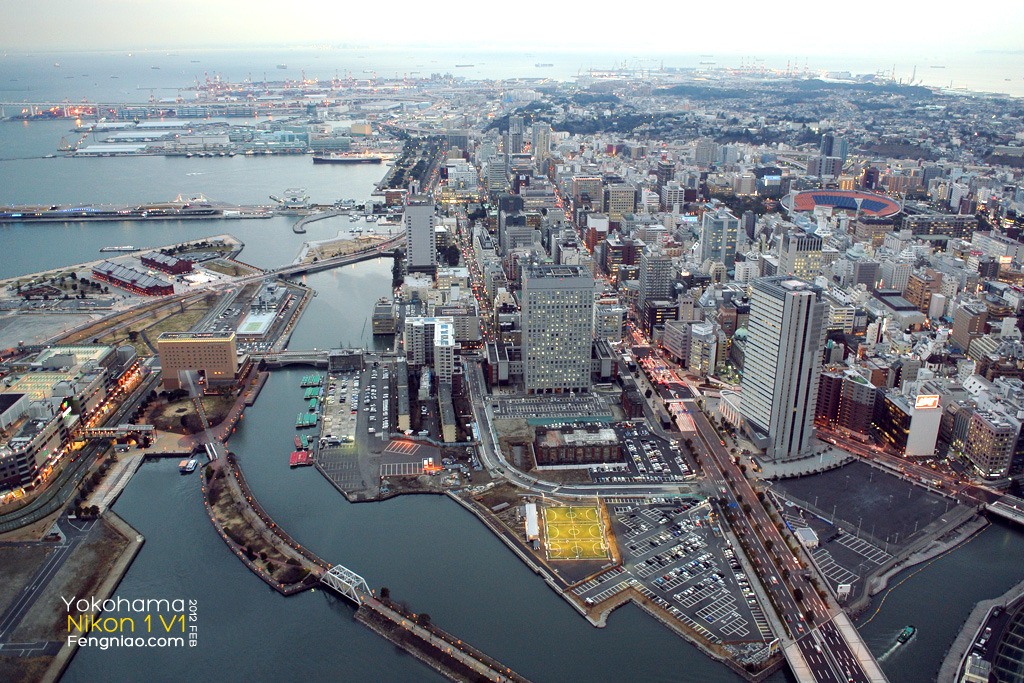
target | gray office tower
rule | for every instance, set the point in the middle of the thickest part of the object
(834, 146)
(515, 135)
(782, 363)
(557, 323)
(718, 237)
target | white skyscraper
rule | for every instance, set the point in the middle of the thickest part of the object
(781, 365)
(419, 222)
(557, 323)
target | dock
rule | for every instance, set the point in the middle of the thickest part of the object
(306, 420)
(300, 459)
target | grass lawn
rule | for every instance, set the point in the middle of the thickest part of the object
(227, 268)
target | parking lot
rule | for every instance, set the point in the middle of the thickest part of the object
(673, 554)
(884, 510)
(648, 459)
(841, 558)
(355, 426)
(552, 407)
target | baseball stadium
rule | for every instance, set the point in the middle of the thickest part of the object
(871, 205)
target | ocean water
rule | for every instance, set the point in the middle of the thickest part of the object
(124, 76)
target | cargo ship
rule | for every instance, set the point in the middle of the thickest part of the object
(126, 247)
(338, 158)
(906, 635)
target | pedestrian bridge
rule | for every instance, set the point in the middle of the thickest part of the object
(115, 432)
(347, 583)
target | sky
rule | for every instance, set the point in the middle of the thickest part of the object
(743, 27)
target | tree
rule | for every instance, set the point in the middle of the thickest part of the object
(423, 619)
(385, 593)
(798, 595)
(451, 255)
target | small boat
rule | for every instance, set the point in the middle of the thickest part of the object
(906, 635)
(188, 466)
(282, 66)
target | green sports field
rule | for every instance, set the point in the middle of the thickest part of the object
(574, 533)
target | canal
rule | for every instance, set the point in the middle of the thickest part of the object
(427, 550)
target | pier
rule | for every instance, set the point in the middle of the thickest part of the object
(300, 225)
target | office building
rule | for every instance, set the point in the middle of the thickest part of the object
(663, 172)
(895, 276)
(557, 320)
(718, 237)
(910, 426)
(782, 360)
(657, 281)
(619, 200)
(800, 254)
(541, 143)
(968, 323)
(834, 146)
(991, 441)
(420, 221)
(703, 356)
(609, 321)
(515, 135)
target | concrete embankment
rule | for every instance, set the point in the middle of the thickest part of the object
(449, 656)
(954, 659)
(106, 589)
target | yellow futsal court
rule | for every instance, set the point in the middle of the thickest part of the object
(574, 533)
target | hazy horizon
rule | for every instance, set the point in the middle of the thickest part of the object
(804, 28)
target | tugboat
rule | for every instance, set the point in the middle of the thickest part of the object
(906, 635)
